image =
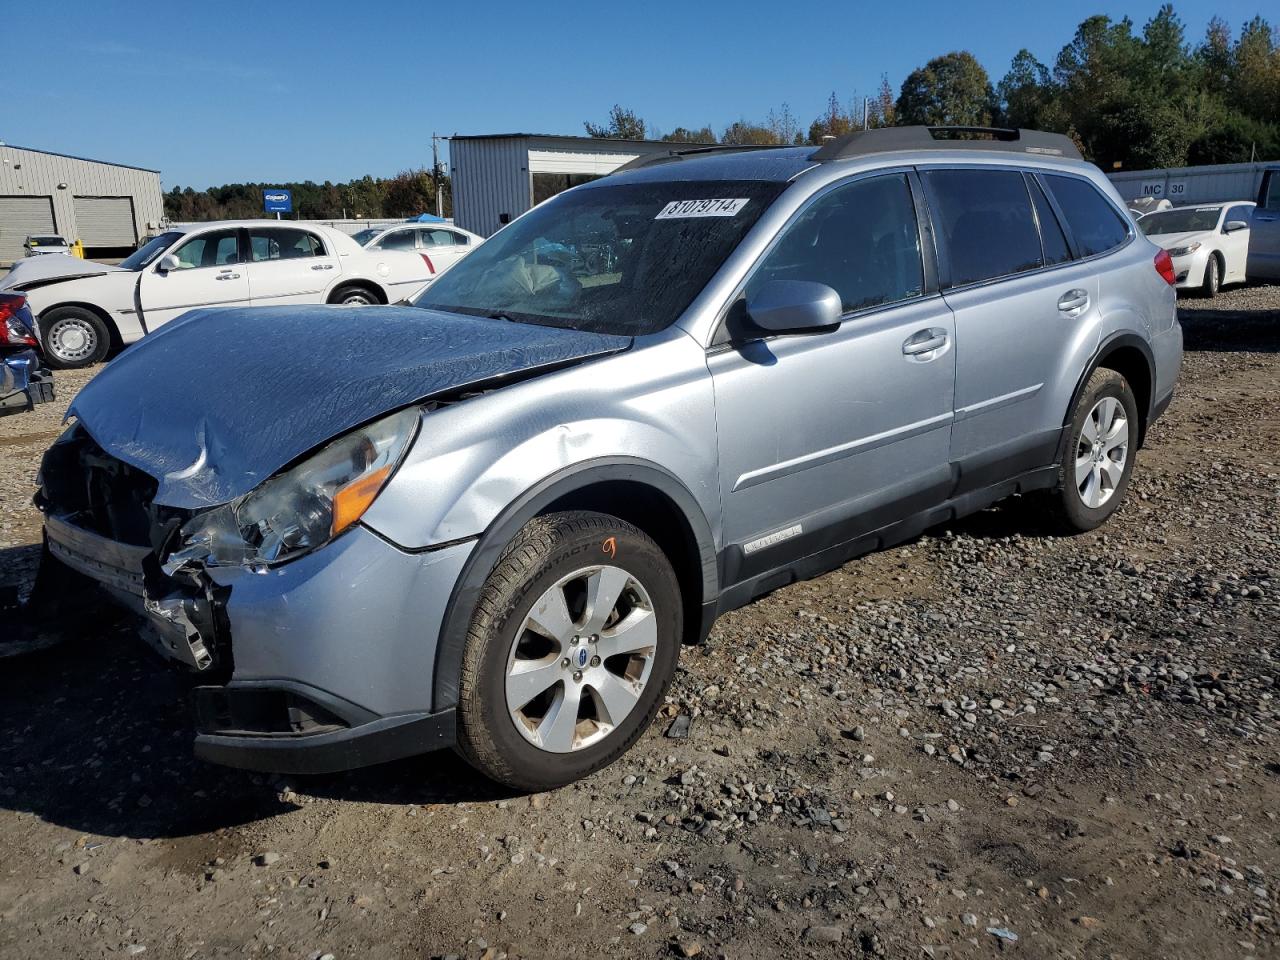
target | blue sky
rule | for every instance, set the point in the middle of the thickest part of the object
(325, 90)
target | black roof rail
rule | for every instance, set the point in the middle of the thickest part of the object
(884, 139)
(649, 159)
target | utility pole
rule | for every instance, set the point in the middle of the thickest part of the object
(866, 103)
(435, 173)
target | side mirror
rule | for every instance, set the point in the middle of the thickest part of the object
(168, 262)
(794, 306)
(1232, 226)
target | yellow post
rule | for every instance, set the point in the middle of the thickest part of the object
(77, 249)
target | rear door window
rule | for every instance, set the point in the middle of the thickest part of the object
(986, 223)
(398, 240)
(1096, 226)
(283, 243)
(1052, 240)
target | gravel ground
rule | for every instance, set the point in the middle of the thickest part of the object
(987, 734)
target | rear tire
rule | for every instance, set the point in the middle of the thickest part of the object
(1212, 277)
(1097, 461)
(581, 620)
(353, 296)
(73, 337)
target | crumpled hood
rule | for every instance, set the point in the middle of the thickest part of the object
(50, 269)
(217, 401)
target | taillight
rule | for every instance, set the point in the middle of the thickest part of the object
(12, 331)
(1164, 267)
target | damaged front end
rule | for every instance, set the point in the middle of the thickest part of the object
(101, 521)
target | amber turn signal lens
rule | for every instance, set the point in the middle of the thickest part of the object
(350, 503)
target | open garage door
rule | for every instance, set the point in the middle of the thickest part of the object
(105, 221)
(21, 217)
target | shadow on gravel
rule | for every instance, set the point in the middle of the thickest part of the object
(1230, 331)
(95, 736)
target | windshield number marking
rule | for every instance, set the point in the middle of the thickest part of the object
(681, 209)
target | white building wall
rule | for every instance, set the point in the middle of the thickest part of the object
(494, 175)
(1186, 185)
(35, 173)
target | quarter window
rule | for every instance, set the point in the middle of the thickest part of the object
(860, 239)
(1052, 239)
(1095, 225)
(282, 243)
(209, 250)
(985, 220)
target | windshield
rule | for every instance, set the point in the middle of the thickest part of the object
(150, 250)
(364, 236)
(1180, 221)
(46, 241)
(624, 259)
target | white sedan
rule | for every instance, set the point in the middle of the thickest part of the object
(440, 245)
(1209, 244)
(83, 307)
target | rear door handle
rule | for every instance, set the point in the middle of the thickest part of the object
(1073, 302)
(924, 342)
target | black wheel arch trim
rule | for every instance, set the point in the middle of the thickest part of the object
(457, 617)
(1108, 346)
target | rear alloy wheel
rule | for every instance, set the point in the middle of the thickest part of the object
(1212, 277)
(354, 297)
(573, 644)
(1099, 455)
(73, 337)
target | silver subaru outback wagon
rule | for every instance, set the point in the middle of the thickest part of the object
(490, 520)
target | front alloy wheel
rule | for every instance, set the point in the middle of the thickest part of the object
(581, 659)
(571, 647)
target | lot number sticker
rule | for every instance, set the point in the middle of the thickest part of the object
(678, 209)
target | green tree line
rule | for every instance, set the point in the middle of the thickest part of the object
(407, 194)
(1130, 98)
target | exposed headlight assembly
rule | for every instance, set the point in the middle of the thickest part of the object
(1191, 247)
(302, 508)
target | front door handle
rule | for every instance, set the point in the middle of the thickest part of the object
(924, 342)
(1073, 302)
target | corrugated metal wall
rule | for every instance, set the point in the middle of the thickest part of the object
(33, 173)
(1183, 185)
(490, 178)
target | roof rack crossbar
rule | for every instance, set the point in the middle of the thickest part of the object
(885, 139)
(649, 159)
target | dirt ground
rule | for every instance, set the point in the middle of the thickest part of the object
(988, 733)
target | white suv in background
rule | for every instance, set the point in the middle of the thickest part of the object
(440, 245)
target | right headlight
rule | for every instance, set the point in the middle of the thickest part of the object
(1191, 247)
(302, 508)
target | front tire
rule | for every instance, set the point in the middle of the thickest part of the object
(1098, 460)
(1212, 277)
(73, 337)
(571, 648)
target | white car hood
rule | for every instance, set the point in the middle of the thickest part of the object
(1171, 240)
(33, 269)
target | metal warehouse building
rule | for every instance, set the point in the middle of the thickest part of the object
(106, 206)
(1183, 185)
(497, 177)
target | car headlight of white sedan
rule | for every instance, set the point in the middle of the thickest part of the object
(304, 507)
(1182, 251)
